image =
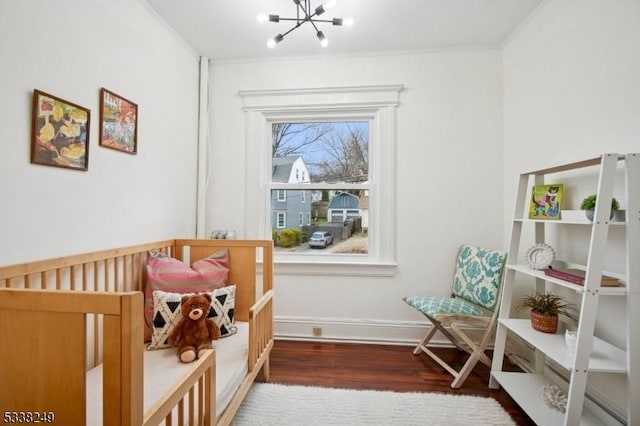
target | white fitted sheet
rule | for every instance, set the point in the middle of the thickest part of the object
(162, 369)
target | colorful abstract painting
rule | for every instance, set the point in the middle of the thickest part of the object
(118, 122)
(60, 132)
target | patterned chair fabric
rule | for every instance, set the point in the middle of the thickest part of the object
(478, 275)
(476, 284)
(475, 298)
(433, 305)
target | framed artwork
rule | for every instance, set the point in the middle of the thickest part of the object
(546, 202)
(59, 132)
(118, 122)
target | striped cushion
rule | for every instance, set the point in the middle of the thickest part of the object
(433, 306)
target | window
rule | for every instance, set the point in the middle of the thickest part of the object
(357, 122)
(281, 220)
(335, 157)
(282, 196)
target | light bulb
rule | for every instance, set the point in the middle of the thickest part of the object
(348, 22)
(263, 17)
(271, 43)
(324, 42)
(329, 4)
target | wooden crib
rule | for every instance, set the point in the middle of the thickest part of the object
(61, 317)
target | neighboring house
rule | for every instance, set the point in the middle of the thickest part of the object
(343, 206)
(290, 209)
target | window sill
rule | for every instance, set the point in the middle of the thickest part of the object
(343, 268)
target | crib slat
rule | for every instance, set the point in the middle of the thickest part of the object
(191, 407)
(181, 412)
(201, 401)
(106, 275)
(95, 276)
(84, 277)
(96, 339)
(72, 278)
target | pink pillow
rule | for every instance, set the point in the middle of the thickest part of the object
(171, 275)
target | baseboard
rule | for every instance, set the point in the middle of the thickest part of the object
(353, 330)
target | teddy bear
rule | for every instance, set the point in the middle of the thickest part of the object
(194, 332)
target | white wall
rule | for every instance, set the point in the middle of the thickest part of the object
(570, 93)
(71, 49)
(449, 180)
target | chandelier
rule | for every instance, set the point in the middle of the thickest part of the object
(304, 13)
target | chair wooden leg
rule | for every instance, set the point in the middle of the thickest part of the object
(423, 343)
(477, 355)
(477, 348)
(462, 341)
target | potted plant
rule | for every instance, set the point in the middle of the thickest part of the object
(545, 309)
(589, 205)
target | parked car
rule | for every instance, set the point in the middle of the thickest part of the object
(320, 239)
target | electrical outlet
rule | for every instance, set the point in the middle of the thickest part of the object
(317, 331)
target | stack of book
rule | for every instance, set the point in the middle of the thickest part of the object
(576, 276)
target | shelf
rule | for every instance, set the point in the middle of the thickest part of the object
(594, 354)
(605, 358)
(525, 388)
(569, 222)
(604, 291)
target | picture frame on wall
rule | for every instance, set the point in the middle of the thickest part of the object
(546, 202)
(118, 122)
(59, 132)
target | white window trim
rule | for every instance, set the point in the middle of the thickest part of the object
(284, 217)
(278, 196)
(378, 104)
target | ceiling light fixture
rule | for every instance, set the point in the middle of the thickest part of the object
(304, 13)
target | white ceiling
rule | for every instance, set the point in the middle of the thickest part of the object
(228, 29)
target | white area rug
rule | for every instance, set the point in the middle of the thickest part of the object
(273, 404)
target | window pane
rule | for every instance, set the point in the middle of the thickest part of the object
(323, 152)
(343, 214)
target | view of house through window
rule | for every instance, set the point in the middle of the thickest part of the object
(320, 187)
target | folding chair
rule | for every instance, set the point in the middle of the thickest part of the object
(474, 303)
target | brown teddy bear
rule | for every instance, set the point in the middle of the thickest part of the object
(194, 332)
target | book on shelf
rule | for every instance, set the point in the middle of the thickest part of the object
(577, 276)
(546, 202)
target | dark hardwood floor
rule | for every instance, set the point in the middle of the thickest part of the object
(381, 367)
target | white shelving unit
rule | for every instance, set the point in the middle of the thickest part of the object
(592, 353)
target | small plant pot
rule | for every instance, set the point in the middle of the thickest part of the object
(589, 214)
(544, 323)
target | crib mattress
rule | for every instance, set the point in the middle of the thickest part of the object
(162, 369)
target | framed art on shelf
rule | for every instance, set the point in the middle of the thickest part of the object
(118, 122)
(546, 202)
(59, 132)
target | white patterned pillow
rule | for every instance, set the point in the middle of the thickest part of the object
(167, 312)
(479, 275)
